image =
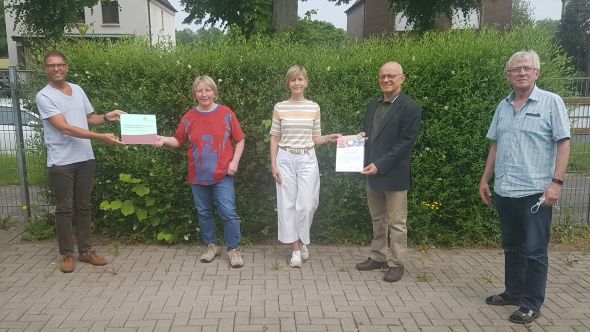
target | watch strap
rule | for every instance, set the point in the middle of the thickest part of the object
(558, 181)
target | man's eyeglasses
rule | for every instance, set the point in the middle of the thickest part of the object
(388, 77)
(517, 70)
(55, 65)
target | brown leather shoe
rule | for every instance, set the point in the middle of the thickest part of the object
(92, 258)
(370, 264)
(67, 264)
(394, 274)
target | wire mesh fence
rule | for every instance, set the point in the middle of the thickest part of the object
(22, 159)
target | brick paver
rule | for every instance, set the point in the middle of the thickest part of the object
(159, 288)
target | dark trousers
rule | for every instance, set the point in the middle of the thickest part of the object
(72, 185)
(525, 237)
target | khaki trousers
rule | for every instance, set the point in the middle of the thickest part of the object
(389, 212)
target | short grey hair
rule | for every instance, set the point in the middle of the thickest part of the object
(524, 56)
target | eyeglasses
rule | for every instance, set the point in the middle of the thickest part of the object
(388, 77)
(517, 70)
(55, 65)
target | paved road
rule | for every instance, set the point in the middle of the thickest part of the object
(158, 288)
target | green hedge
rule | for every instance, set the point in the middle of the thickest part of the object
(457, 76)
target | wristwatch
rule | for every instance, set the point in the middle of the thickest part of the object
(558, 181)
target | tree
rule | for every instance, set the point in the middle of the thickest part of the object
(548, 26)
(3, 40)
(310, 31)
(256, 16)
(574, 32)
(48, 18)
(423, 13)
(284, 15)
(250, 16)
(522, 12)
(205, 36)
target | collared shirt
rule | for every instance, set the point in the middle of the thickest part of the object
(526, 142)
(380, 113)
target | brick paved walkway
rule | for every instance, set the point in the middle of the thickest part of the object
(157, 288)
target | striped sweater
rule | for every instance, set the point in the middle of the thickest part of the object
(296, 122)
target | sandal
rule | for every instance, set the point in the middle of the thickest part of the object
(501, 299)
(524, 316)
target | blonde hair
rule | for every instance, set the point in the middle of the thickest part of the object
(207, 81)
(295, 71)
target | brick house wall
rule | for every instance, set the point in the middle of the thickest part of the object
(366, 18)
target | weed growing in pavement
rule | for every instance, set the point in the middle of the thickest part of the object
(116, 245)
(5, 223)
(568, 233)
(39, 228)
(486, 277)
(276, 266)
(423, 277)
(571, 261)
(343, 268)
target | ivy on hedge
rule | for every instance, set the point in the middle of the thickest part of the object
(457, 76)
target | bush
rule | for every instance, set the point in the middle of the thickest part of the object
(457, 76)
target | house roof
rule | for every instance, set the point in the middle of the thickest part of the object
(356, 3)
(166, 4)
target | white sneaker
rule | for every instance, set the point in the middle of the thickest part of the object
(304, 252)
(295, 260)
(212, 251)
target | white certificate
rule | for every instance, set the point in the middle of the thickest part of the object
(138, 129)
(350, 153)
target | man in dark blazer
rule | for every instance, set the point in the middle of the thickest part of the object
(391, 126)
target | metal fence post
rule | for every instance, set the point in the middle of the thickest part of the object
(20, 145)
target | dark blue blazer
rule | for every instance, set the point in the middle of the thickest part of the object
(391, 149)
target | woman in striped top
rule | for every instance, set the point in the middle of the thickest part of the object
(294, 132)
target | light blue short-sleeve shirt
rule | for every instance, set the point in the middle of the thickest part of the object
(64, 149)
(526, 142)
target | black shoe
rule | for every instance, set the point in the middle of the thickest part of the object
(501, 299)
(524, 316)
(370, 264)
(394, 274)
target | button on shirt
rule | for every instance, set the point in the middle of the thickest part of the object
(526, 142)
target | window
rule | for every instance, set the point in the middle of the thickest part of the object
(110, 12)
(80, 18)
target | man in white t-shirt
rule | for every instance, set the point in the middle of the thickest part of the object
(67, 116)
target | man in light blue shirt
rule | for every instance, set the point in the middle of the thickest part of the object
(67, 116)
(528, 157)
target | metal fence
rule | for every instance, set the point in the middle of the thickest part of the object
(22, 160)
(23, 171)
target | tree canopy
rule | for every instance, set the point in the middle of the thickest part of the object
(422, 13)
(522, 12)
(574, 32)
(48, 18)
(255, 16)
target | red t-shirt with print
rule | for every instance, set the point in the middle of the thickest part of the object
(211, 136)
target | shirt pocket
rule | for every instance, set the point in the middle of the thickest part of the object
(532, 123)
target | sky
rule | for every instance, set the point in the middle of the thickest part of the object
(329, 12)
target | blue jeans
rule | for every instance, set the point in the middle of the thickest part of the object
(525, 237)
(223, 194)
